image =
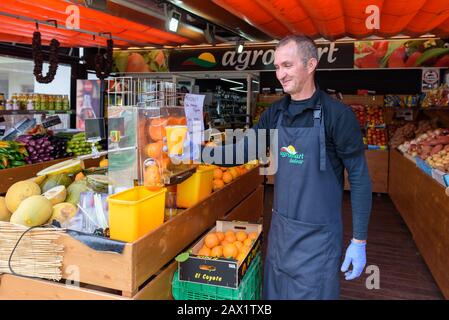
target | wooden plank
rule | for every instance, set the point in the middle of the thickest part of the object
(402, 187)
(13, 175)
(378, 162)
(19, 288)
(105, 269)
(250, 209)
(424, 206)
(160, 288)
(156, 249)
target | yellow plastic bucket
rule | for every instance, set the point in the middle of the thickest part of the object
(135, 212)
(195, 188)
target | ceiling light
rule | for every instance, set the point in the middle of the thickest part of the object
(232, 81)
(240, 45)
(173, 24)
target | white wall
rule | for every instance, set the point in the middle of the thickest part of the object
(17, 80)
(60, 85)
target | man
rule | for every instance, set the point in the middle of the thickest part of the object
(318, 137)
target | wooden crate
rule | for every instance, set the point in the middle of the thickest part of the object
(13, 175)
(423, 204)
(145, 268)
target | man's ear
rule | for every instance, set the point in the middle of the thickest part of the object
(311, 65)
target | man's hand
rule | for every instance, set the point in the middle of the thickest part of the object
(355, 255)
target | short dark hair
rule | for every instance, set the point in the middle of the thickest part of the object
(306, 46)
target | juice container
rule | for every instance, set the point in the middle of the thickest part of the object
(175, 139)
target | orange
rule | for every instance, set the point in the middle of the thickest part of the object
(229, 232)
(248, 242)
(244, 250)
(157, 128)
(224, 243)
(211, 240)
(234, 172)
(79, 176)
(241, 236)
(154, 150)
(252, 235)
(176, 121)
(242, 170)
(218, 174)
(230, 237)
(230, 251)
(216, 251)
(238, 244)
(218, 184)
(204, 251)
(227, 177)
(220, 235)
(241, 256)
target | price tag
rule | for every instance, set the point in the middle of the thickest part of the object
(51, 112)
(2, 130)
(95, 129)
(193, 106)
(51, 121)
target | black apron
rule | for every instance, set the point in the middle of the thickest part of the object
(305, 237)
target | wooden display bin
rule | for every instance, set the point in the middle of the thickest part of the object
(13, 175)
(145, 268)
(424, 206)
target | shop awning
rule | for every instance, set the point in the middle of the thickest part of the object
(333, 19)
(18, 22)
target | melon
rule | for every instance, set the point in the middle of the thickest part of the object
(5, 215)
(56, 195)
(63, 212)
(18, 192)
(33, 211)
(54, 181)
(74, 191)
(38, 179)
(72, 166)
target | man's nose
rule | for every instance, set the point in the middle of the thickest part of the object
(280, 74)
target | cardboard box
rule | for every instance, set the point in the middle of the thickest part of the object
(220, 271)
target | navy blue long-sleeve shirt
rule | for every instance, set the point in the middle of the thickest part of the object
(344, 146)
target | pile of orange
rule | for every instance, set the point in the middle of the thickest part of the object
(223, 176)
(229, 245)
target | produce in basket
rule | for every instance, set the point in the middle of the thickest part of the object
(55, 181)
(5, 214)
(33, 211)
(20, 191)
(71, 166)
(56, 195)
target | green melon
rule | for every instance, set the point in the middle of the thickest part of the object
(55, 181)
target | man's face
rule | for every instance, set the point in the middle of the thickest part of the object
(290, 69)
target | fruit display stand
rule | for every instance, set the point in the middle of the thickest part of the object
(13, 175)
(423, 204)
(145, 268)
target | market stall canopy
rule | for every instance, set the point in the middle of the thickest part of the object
(332, 19)
(19, 17)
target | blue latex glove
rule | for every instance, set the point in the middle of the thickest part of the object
(355, 255)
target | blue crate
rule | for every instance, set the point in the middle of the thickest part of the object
(423, 166)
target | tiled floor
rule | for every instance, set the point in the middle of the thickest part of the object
(403, 273)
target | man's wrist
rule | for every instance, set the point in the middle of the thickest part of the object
(358, 241)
